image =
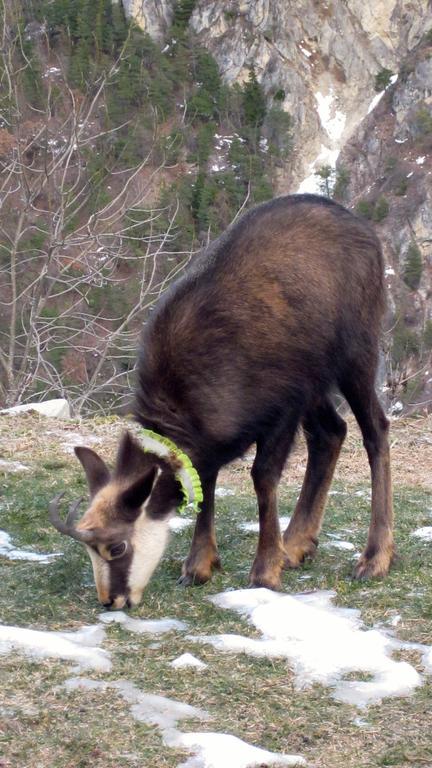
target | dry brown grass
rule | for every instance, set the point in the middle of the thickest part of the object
(32, 438)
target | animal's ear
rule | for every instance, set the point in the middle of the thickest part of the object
(96, 470)
(130, 457)
(166, 497)
(133, 497)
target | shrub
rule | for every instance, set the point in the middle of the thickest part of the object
(402, 187)
(427, 335)
(341, 183)
(404, 343)
(278, 129)
(413, 267)
(365, 209)
(382, 79)
(423, 121)
(381, 209)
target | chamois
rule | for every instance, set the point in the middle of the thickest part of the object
(272, 318)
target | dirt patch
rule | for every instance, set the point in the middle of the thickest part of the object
(34, 438)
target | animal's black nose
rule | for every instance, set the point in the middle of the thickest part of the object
(108, 604)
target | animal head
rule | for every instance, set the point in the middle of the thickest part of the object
(125, 528)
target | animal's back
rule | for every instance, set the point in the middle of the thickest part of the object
(273, 311)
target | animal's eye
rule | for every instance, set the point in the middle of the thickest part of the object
(117, 550)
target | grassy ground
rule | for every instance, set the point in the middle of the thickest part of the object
(42, 725)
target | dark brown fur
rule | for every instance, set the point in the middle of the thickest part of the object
(274, 316)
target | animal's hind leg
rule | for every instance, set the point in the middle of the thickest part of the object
(325, 432)
(360, 392)
(271, 455)
(203, 556)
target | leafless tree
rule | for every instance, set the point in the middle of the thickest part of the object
(71, 238)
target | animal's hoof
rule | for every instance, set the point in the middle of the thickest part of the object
(190, 580)
(297, 551)
(266, 582)
(375, 567)
(198, 570)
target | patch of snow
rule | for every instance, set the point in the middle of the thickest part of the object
(339, 544)
(254, 527)
(395, 620)
(72, 439)
(209, 750)
(80, 646)
(52, 71)
(420, 160)
(142, 626)
(376, 99)
(322, 642)
(145, 707)
(423, 533)
(55, 409)
(306, 53)
(188, 660)
(13, 466)
(410, 174)
(360, 722)
(12, 553)
(393, 79)
(222, 492)
(179, 523)
(332, 119)
(221, 750)
(401, 141)
(396, 408)
(333, 122)
(389, 271)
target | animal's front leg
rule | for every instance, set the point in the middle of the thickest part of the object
(203, 556)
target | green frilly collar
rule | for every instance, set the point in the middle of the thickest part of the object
(187, 475)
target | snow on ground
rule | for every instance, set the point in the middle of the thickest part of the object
(221, 750)
(222, 492)
(72, 439)
(187, 660)
(423, 533)
(142, 626)
(322, 642)
(13, 466)
(81, 646)
(8, 550)
(145, 707)
(209, 750)
(179, 523)
(254, 527)
(376, 100)
(333, 122)
(339, 544)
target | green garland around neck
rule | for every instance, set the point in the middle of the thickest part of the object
(187, 475)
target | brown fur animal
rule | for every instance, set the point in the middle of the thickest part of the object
(273, 317)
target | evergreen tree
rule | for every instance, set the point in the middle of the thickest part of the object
(254, 104)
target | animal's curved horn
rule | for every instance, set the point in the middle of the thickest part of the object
(67, 526)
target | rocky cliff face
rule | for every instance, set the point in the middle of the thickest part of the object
(322, 59)
(323, 55)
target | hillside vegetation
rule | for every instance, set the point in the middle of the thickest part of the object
(120, 157)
